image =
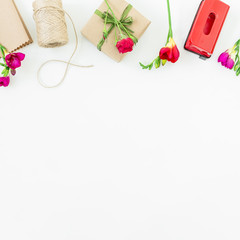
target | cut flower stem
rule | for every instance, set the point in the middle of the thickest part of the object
(115, 19)
(172, 53)
(170, 32)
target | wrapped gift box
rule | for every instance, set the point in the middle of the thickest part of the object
(93, 30)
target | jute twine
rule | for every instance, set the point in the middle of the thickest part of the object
(52, 32)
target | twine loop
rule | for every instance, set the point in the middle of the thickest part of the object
(52, 32)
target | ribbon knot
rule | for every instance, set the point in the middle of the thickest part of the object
(124, 23)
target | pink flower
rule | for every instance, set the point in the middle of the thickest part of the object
(4, 81)
(125, 45)
(227, 59)
(13, 60)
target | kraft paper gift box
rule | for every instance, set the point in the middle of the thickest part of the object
(13, 31)
(93, 30)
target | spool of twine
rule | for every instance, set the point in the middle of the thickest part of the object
(50, 23)
(52, 32)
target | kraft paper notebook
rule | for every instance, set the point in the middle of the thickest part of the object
(13, 31)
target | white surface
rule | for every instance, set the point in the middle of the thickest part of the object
(117, 152)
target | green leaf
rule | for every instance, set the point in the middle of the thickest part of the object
(157, 62)
(2, 48)
(236, 58)
(238, 42)
(2, 51)
(143, 66)
(1, 64)
(5, 72)
(149, 67)
(238, 72)
(237, 65)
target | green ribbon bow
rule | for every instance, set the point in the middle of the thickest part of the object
(123, 23)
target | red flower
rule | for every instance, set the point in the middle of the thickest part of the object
(170, 52)
(13, 60)
(125, 45)
(4, 81)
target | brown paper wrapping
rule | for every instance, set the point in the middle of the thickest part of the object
(13, 31)
(93, 30)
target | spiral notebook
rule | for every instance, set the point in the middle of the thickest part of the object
(13, 31)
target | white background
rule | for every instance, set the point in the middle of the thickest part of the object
(117, 152)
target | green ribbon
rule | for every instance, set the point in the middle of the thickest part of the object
(124, 23)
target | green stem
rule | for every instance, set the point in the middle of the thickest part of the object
(149, 66)
(116, 40)
(168, 38)
(116, 21)
(170, 33)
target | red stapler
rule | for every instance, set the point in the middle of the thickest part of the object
(206, 27)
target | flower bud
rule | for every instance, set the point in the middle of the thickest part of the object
(13, 72)
(164, 61)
